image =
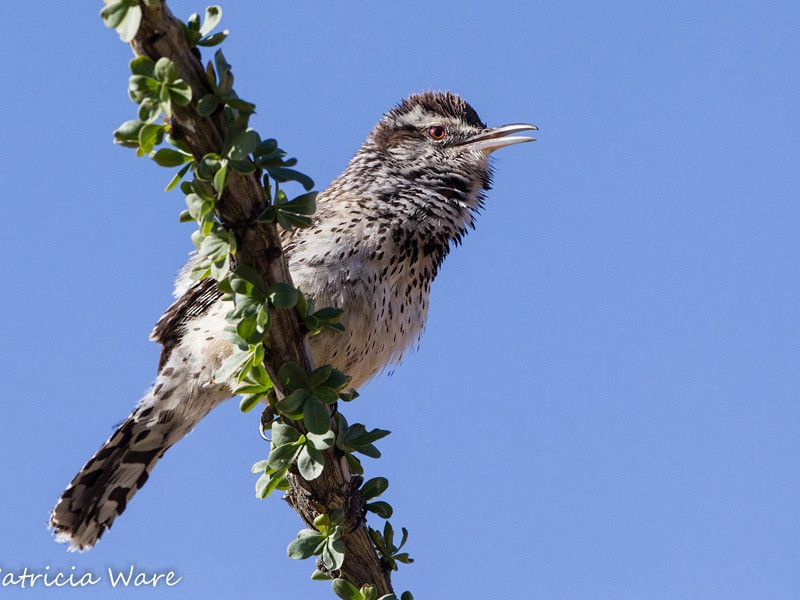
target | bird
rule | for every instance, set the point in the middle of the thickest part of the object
(380, 233)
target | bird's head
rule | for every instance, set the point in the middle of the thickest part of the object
(421, 174)
(437, 138)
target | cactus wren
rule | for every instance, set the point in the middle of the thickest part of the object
(380, 234)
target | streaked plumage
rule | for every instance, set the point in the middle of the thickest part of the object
(380, 234)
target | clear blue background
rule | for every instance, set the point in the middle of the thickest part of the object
(605, 401)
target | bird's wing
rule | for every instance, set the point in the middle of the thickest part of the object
(194, 302)
(172, 324)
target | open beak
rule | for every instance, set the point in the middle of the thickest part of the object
(490, 140)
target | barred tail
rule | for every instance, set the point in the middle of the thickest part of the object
(105, 485)
(101, 491)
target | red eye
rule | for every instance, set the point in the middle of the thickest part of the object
(437, 132)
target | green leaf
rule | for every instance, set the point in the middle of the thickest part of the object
(266, 148)
(128, 134)
(319, 376)
(269, 482)
(259, 467)
(129, 26)
(282, 295)
(207, 105)
(333, 555)
(325, 394)
(305, 544)
(258, 354)
(164, 103)
(262, 317)
(281, 175)
(165, 70)
(247, 330)
(302, 205)
(348, 396)
(222, 65)
(143, 65)
(149, 111)
(200, 272)
(354, 464)
(283, 434)
(404, 538)
(318, 575)
(180, 92)
(282, 456)
(337, 379)
(114, 13)
(181, 146)
(406, 596)
(241, 105)
(211, 20)
(193, 22)
(370, 592)
(214, 39)
(249, 402)
(221, 178)
(231, 365)
(243, 167)
(310, 462)
(178, 176)
(290, 221)
(360, 437)
(329, 314)
(225, 85)
(312, 323)
(369, 450)
(383, 509)
(167, 157)
(149, 136)
(374, 487)
(217, 245)
(292, 405)
(248, 282)
(141, 87)
(243, 144)
(251, 389)
(316, 416)
(322, 522)
(292, 375)
(268, 215)
(124, 16)
(198, 207)
(208, 165)
(346, 590)
(322, 442)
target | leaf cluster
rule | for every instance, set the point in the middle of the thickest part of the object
(324, 319)
(323, 542)
(220, 79)
(154, 86)
(384, 544)
(347, 591)
(310, 395)
(356, 438)
(200, 35)
(125, 16)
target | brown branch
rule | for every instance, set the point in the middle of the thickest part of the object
(259, 245)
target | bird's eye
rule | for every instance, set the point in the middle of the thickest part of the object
(437, 132)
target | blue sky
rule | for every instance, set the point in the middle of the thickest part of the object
(605, 400)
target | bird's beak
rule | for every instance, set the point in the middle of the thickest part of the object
(490, 140)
